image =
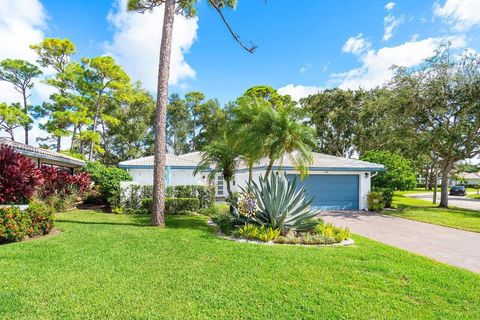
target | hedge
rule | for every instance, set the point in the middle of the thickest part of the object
(175, 206)
(131, 197)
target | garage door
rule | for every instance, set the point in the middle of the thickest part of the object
(332, 192)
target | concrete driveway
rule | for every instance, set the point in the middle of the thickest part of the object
(455, 201)
(451, 246)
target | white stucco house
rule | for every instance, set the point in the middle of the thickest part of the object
(336, 183)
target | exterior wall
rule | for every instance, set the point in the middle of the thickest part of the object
(177, 177)
(241, 179)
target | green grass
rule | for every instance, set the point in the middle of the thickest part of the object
(108, 266)
(473, 196)
(424, 211)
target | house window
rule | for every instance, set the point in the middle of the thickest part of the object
(220, 185)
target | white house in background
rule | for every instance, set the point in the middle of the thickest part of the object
(336, 183)
(468, 178)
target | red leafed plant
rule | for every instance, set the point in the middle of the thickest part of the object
(19, 177)
(61, 183)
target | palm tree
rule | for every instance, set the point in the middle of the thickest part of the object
(273, 132)
(220, 156)
(172, 7)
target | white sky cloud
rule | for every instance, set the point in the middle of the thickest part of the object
(390, 6)
(390, 23)
(376, 64)
(356, 44)
(298, 91)
(462, 14)
(136, 44)
(305, 68)
(22, 23)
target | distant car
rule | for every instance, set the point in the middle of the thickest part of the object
(457, 191)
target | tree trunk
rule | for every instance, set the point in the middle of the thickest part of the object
(95, 121)
(269, 168)
(25, 107)
(59, 142)
(158, 210)
(435, 186)
(250, 176)
(72, 143)
(446, 168)
(229, 189)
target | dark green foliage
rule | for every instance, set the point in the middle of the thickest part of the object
(107, 180)
(42, 218)
(387, 195)
(15, 224)
(205, 194)
(175, 206)
(224, 220)
(375, 201)
(398, 174)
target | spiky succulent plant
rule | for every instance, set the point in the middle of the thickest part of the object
(281, 205)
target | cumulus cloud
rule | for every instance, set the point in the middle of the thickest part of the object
(376, 64)
(462, 14)
(22, 23)
(390, 6)
(136, 43)
(356, 44)
(298, 91)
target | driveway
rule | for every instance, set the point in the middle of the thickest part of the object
(455, 201)
(451, 246)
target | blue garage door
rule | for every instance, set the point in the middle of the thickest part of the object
(332, 192)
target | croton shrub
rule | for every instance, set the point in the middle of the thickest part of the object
(19, 177)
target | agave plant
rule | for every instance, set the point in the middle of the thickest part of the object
(281, 205)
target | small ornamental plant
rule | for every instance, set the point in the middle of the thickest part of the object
(247, 205)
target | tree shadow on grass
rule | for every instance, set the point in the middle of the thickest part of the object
(188, 222)
(137, 221)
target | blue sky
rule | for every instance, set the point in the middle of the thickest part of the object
(302, 48)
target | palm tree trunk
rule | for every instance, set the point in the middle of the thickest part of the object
(158, 210)
(229, 189)
(269, 168)
(59, 142)
(250, 175)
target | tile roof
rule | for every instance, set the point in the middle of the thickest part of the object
(172, 161)
(28, 150)
(320, 161)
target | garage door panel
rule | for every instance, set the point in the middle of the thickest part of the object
(331, 192)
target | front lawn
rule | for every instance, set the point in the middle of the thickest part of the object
(113, 266)
(425, 211)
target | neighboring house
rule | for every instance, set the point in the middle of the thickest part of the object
(336, 183)
(45, 157)
(466, 178)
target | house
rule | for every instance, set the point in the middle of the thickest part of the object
(467, 178)
(336, 183)
(44, 157)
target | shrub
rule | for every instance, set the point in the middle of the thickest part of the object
(14, 224)
(224, 221)
(174, 206)
(375, 201)
(42, 218)
(205, 194)
(387, 195)
(19, 177)
(328, 230)
(107, 179)
(215, 209)
(280, 204)
(398, 175)
(260, 233)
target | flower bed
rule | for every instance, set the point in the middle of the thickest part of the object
(276, 211)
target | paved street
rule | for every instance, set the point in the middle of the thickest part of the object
(456, 201)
